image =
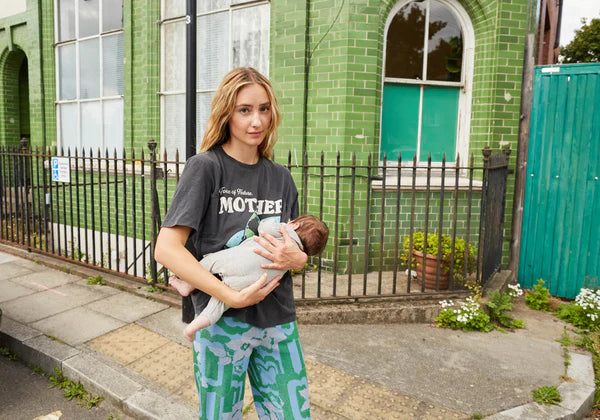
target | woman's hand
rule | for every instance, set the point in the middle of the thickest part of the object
(285, 255)
(254, 293)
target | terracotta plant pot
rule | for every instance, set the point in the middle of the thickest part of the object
(430, 270)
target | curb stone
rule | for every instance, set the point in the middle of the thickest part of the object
(577, 396)
(119, 390)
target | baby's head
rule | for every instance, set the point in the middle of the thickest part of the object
(312, 232)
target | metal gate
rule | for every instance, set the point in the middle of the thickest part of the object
(561, 218)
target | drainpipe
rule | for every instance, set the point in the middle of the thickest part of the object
(305, 98)
(523, 145)
(187, 307)
(558, 24)
(42, 89)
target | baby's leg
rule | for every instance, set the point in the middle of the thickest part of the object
(181, 286)
(197, 324)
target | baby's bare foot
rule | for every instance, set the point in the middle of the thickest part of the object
(182, 287)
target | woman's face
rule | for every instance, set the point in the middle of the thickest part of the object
(251, 117)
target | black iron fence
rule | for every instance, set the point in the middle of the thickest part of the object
(104, 210)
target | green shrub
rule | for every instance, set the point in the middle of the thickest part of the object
(584, 312)
(498, 306)
(539, 298)
(446, 251)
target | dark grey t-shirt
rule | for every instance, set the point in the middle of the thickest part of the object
(223, 201)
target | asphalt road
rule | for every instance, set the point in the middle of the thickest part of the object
(24, 395)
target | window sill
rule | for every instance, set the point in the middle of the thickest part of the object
(435, 183)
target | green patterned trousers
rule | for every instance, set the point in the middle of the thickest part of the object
(225, 351)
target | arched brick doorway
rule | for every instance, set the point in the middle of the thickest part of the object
(14, 97)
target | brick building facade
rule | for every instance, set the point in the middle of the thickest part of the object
(117, 78)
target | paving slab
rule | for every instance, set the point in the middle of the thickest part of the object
(43, 280)
(30, 264)
(13, 270)
(77, 325)
(126, 307)
(4, 258)
(468, 372)
(168, 324)
(169, 366)
(41, 305)
(103, 289)
(10, 290)
(128, 344)
(350, 396)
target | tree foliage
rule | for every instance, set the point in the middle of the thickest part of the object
(585, 47)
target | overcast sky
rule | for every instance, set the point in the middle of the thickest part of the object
(572, 12)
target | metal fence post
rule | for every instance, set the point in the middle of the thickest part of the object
(154, 205)
(487, 152)
(492, 213)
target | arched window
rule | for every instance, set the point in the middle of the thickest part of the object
(427, 72)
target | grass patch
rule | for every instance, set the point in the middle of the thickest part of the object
(547, 395)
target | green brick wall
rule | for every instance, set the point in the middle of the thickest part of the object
(142, 72)
(346, 41)
(345, 62)
(20, 39)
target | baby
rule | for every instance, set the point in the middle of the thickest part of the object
(240, 266)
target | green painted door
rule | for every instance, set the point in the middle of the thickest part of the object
(561, 215)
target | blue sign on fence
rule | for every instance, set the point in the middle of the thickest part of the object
(61, 171)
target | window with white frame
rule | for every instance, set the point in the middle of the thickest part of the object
(426, 89)
(229, 34)
(89, 74)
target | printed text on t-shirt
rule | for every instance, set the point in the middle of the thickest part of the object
(241, 201)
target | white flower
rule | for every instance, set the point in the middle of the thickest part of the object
(514, 290)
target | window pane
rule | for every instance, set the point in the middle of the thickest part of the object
(112, 65)
(112, 15)
(113, 126)
(89, 69)
(66, 72)
(175, 8)
(405, 41)
(174, 52)
(213, 55)
(68, 126)
(91, 126)
(203, 101)
(440, 114)
(210, 5)
(444, 59)
(66, 20)
(174, 122)
(250, 40)
(88, 18)
(399, 121)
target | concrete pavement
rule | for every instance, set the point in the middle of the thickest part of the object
(126, 345)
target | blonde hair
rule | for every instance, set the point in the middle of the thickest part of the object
(223, 104)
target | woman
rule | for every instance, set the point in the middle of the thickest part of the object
(222, 195)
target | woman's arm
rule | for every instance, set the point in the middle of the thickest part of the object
(285, 255)
(170, 251)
